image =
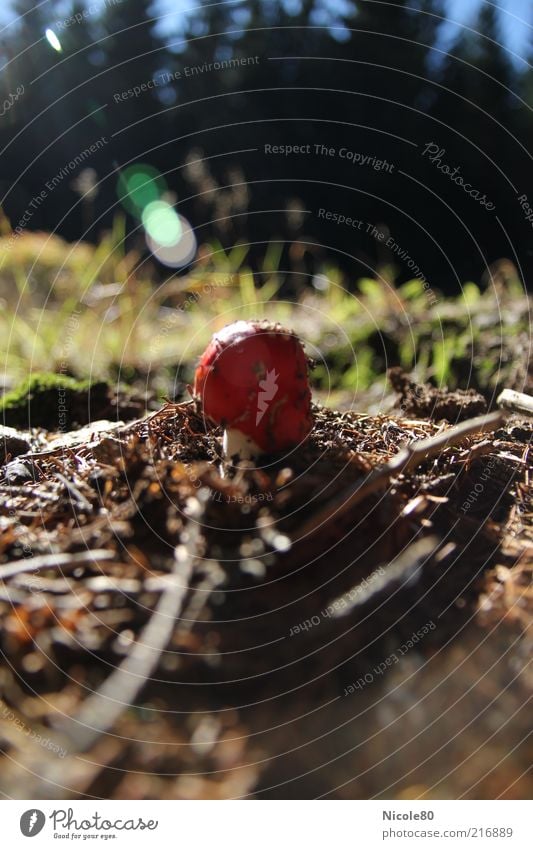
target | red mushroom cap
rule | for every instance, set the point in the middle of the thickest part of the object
(252, 377)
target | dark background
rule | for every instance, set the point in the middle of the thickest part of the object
(368, 76)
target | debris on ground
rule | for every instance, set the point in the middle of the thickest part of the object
(267, 621)
(425, 401)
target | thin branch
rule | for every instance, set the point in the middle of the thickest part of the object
(74, 492)
(121, 689)
(516, 402)
(50, 561)
(403, 570)
(10, 489)
(404, 461)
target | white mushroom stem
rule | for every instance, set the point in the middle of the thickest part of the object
(237, 443)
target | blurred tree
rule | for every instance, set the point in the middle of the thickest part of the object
(355, 76)
(480, 111)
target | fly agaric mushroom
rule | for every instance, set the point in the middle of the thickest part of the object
(252, 380)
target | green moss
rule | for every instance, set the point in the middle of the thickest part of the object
(55, 402)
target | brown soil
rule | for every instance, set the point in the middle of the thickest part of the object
(260, 680)
(426, 401)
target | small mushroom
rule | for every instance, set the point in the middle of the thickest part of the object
(252, 380)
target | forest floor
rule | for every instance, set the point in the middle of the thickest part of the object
(171, 633)
(168, 631)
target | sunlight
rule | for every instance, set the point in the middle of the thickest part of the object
(53, 40)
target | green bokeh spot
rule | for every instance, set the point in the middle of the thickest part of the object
(162, 223)
(138, 186)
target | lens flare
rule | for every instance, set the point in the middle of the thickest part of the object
(53, 40)
(143, 192)
(177, 253)
(138, 186)
(162, 223)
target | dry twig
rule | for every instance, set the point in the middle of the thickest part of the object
(517, 402)
(404, 461)
(119, 691)
(50, 561)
